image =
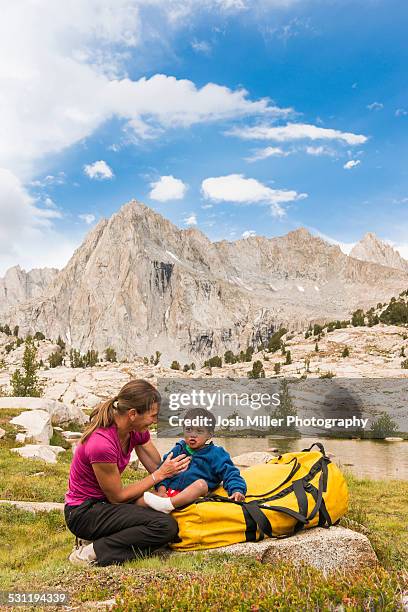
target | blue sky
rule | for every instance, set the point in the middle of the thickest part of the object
(335, 69)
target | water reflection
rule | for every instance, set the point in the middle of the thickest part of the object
(374, 459)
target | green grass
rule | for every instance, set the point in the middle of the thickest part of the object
(379, 509)
(34, 550)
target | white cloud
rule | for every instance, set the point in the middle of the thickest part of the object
(87, 217)
(191, 220)
(248, 234)
(295, 131)
(73, 78)
(317, 151)
(98, 170)
(375, 106)
(401, 112)
(50, 179)
(167, 188)
(352, 163)
(49, 203)
(240, 190)
(27, 233)
(205, 206)
(201, 46)
(267, 152)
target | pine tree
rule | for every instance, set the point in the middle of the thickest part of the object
(55, 359)
(26, 383)
(288, 358)
(285, 408)
(61, 343)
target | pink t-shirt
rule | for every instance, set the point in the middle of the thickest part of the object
(102, 446)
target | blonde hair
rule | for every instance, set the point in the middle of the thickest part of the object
(138, 394)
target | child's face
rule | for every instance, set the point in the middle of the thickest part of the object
(196, 437)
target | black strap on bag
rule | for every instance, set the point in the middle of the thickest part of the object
(299, 490)
(320, 490)
(319, 445)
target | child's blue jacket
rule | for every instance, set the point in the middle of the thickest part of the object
(211, 463)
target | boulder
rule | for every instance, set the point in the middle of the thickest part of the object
(254, 458)
(39, 451)
(59, 412)
(70, 436)
(2, 433)
(37, 425)
(325, 549)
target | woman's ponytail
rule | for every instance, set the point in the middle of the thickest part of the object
(137, 394)
(101, 416)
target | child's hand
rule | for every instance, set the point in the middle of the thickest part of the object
(237, 496)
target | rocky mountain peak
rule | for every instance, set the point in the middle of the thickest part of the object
(373, 249)
(138, 283)
(18, 286)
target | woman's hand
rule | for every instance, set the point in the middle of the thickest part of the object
(171, 467)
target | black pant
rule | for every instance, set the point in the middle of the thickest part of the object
(120, 531)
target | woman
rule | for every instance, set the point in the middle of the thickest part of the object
(97, 505)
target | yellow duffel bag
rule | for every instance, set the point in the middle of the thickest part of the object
(291, 492)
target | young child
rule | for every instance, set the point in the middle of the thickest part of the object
(209, 466)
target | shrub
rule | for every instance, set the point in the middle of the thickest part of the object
(175, 365)
(288, 358)
(6, 330)
(317, 329)
(277, 367)
(357, 320)
(327, 374)
(346, 352)
(395, 313)
(404, 364)
(316, 348)
(229, 357)
(110, 354)
(274, 342)
(214, 362)
(15, 330)
(384, 426)
(154, 359)
(39, 336)
(257, 370)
